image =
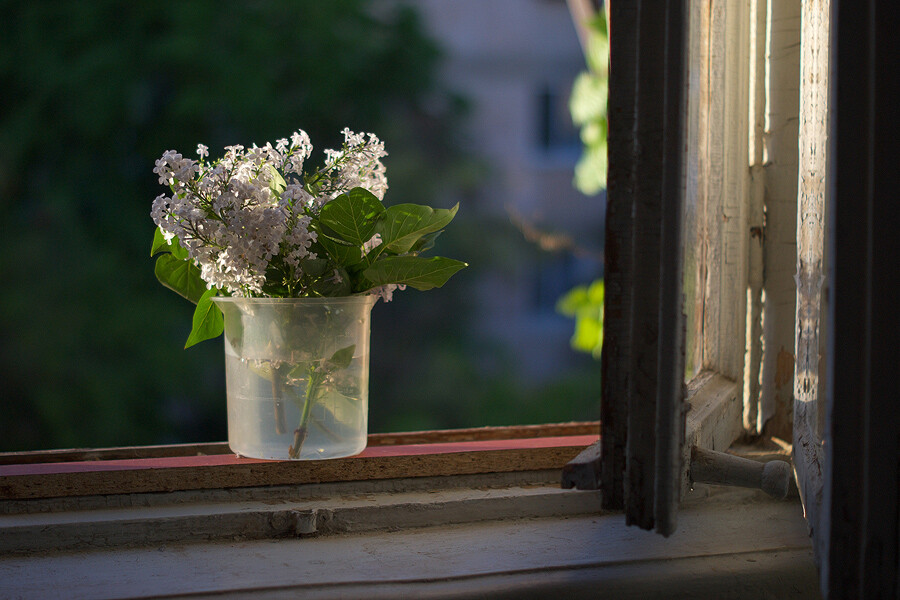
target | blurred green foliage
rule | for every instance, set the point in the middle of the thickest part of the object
(584, 303)
(588, 107)
(94, 92)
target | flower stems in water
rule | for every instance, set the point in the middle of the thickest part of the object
(312, 389)
(278, 375)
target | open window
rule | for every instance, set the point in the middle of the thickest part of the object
(689, 162)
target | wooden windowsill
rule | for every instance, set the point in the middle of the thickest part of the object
(519, 542)
(389, 456)
(443, 514)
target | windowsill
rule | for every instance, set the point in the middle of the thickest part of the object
(388, 456)
(474, 518)
(525, 540)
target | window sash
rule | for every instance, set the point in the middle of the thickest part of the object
(643, 321)
(664, 147)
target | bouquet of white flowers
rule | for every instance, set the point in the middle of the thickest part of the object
(295, 259)
(255, 224)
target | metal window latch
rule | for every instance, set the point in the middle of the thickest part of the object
(773, 477)
(707, 466)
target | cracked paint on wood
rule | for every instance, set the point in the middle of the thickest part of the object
(808, 451)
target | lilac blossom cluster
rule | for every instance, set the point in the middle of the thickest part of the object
(235, 214)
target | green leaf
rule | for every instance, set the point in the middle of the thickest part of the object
(353, 216)
(161, 245)
(590, 172)
(338, 408)
(327, 286)
(300, 370)
(404, 224)
(597, 293)
(594, 133)
(581, 298)
(588, 336)
(314, 267)
(426, 242)
(585, 304)
(598, 45)
(574, 300)
(588, 100)
(340, 359)
(180, 276)
(419, 273)
(343, 254)
(277, 184)
(208, 321)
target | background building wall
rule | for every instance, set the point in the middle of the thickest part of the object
(515, 61)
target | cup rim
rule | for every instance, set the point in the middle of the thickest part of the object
(355, 299)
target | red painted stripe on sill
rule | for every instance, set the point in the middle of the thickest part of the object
(231, 459)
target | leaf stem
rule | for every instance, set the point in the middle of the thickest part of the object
(312, 388)
(278, 404)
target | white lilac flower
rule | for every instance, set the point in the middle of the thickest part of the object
(376, 181)
(233, 222)
(292, 192)
(184, 170)
(386, 292)
(298, 240)
(159, 211)
(300, 140)
(332, 156)
(166, 166)
(358, 164)
(353, 139)
(300, 150)
(161, 169)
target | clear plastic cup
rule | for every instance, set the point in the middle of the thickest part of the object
(297, 375)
